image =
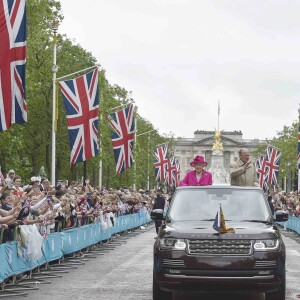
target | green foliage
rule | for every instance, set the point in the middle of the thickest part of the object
(28, 147)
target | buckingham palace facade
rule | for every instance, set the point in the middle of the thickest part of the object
(185, 149)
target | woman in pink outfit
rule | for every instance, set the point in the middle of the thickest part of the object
(199, 176)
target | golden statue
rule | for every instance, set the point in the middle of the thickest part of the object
(218, 144)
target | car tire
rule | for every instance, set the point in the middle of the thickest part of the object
(158, 294)
(279, 295)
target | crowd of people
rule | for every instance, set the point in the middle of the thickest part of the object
(286, 201)
(56, 208)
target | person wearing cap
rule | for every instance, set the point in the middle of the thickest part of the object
(199, 176)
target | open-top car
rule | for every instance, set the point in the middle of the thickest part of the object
(219, 238)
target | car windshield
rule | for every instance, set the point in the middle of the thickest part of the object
(203, 204)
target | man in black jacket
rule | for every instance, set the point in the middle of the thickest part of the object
(159, 203)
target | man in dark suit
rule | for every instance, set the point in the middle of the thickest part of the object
(159, 203)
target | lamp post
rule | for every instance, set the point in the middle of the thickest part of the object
(289, 176)
(284, 180)
(135, 148)
(298, 152)
(148, 171)
(54, 27)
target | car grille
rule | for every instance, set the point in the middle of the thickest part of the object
(265, 264)
(219, 247)
(179, 263)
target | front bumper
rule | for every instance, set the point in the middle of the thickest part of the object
(183, 283)
(262, 272)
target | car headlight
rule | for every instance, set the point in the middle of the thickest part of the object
(266, 245)
(172, 244)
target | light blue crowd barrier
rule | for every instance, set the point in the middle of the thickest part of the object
(293, 223)
(60, 243)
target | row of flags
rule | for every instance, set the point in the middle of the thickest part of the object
(267, 167)
(81, 100)
(167, 168)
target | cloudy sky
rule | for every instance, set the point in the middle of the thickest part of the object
(180, 57)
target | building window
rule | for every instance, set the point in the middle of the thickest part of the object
(208, 156)
(226, 158)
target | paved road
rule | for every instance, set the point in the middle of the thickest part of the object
(126, 273)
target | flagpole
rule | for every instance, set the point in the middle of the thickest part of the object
(100, 162)
(148, 171)
(219, 218)
(86, 69)
(120, 106)
(148, 164)
(162, 144)
(54, 71)
(218, 114)
(298, 150)
(135, 148)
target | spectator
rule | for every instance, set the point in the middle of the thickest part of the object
(6, 201)
(17, 186)
(10, 178)
(45, 185)
(159, 203)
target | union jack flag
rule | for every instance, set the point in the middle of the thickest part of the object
(272, 165)
(81, 101)
(122, 137)
(13, 108)
(161, 162)
(171, 171)
(261, 171)
(299, 147)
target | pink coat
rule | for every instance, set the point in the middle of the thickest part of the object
(191, 179)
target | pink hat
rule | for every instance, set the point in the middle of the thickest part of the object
(198, 160)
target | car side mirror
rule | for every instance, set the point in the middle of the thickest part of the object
(157, 214)
(281, 216)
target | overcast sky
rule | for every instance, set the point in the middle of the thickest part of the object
(179, 57)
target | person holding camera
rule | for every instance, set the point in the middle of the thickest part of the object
(243, 171)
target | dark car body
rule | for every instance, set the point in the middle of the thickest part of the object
(191, 256)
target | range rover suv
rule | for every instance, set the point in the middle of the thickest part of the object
(191, 256)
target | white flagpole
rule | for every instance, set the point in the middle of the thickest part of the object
(298, 153)
(219, 216)
(135, 148)
(54, 71)
(100, 162)
(86, 69)
(148, 172)
(218, 114)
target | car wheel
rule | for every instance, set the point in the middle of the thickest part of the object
(157, 293)
(279, 295)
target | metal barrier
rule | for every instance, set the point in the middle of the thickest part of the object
(293, 224)
(66, 242)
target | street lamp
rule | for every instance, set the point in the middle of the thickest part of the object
(298, 152)
(284, 179)
(289, 176)
(54, 28)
